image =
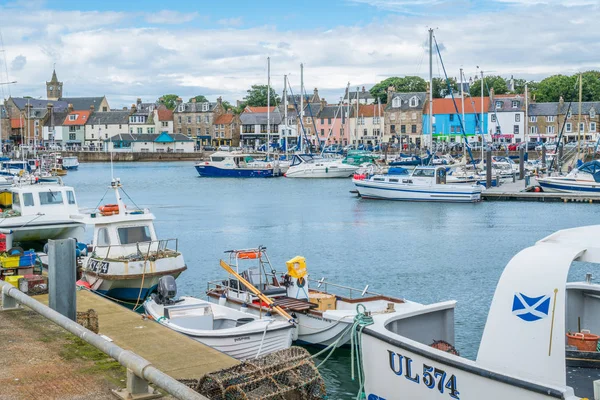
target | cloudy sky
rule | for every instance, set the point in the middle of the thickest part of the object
(130, 49)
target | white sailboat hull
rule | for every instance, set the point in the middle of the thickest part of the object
(446, 193)
(310, 171)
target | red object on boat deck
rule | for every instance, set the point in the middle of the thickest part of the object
(83, 283)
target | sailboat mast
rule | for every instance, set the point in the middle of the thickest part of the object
(526, 133)
(356, 125)
(462, 105)
(348, 115)
(286, 138)
(482, 124)
(579, 118)
(302, 107)
(268, 105)
(430, 88)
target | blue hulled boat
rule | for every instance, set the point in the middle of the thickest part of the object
(235, 165)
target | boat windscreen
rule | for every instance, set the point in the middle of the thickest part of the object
(427, 172)
(592, 168)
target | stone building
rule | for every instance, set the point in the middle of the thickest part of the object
(404, 116)
(227, 130)
(195, 120)
(543, 122)
(588, 122)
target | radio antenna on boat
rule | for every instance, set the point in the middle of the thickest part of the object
(112, 173)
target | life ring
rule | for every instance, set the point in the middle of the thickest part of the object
(109, 209)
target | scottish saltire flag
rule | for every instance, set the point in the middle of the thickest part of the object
(530, 308)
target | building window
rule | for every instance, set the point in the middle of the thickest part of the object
(361, 120)
(451, 117)
(150, 130)
(592, 113)
(140, 130)
(106, 126)
(550, 118)
(517, 117)
(179, 119)
(120, 127)
(189, 120)
(493, 117)
(198, 119)
(92, 135)
(180, 108)
(131, 130)
(414, 102)
(568, 127)
(396, 102)
(165, 124)
(365, 132)
(533, 130)
(498, 104)
(581, 127)
(516, 129)
(392, 117)
(569, 115)
(402, 128)
(550, 130)
(322, 132)
(323, 121)
(329, 121)
(413, 129)
(592, 127)
(515, 104)
(179, 131)
(393, 128)
(376, 120)
(533, 118)
(72, 136)
(189, 131)
(207, 119)
(198, 132)
(205, 107)
(71, 129)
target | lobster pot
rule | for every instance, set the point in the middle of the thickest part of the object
(288, 373)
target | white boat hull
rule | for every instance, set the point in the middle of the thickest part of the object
(445, 193)
(321, 172)
(29, 228)
(565, 185)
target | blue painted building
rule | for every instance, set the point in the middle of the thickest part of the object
(446, 122)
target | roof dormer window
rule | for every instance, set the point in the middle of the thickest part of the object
(396, 102)
(205, 106)
(592, 113)
(414, 101)
(181, 108)
(569, 115)
(515, 104)
(499, 104)
(73, 117)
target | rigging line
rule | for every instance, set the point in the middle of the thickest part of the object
(559, 139)
(303, 134)
(462, 128)
(129, 197)
(100, 202)
(5, 65)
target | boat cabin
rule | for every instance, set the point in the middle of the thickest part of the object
(44, 199)
(114, 238)
(302, 158)
(232, 160)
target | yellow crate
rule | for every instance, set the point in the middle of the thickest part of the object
(13, 280)
(10, 261)
(323, 301)
(5, 199)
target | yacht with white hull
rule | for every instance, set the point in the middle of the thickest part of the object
(583, 179)
(309, 166)
(422, 184)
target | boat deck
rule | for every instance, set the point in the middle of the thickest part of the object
(581, 380)
(515, 191)
(173, 353)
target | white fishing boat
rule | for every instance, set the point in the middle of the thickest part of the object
(583, 179)
(422, 184)
(239, 334)
(323, 315)
(522, 354)
(310, 166)
(126, 258)
(41, 211)
(69, 162)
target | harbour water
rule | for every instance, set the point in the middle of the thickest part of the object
(424, 252)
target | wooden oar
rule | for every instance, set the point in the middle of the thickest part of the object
(257, 292)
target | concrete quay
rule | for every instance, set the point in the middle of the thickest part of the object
(516, 191)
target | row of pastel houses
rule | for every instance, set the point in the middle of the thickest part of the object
(358, 119)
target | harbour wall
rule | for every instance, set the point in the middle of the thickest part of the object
(100, 156)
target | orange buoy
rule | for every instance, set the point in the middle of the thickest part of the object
(109, 209)
(247, 255)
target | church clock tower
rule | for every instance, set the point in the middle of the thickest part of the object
(54, 88)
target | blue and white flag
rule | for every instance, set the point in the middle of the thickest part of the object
(530, 308)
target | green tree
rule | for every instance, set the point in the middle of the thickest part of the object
(493, 81)
(257, 97)
(199, 99)
(440, 87)
(552, 87)
(401, 84)
(520, 86)
(169, 100)
(591, 86)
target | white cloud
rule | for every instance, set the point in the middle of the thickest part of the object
(97, 53)
(231, 22)
(170, 17)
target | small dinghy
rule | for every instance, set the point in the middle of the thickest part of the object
(236, 333)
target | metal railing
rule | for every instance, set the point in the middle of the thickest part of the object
(139, 366)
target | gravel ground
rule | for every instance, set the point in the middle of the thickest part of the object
(42, 361)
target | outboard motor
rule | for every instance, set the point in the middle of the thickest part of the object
(167, 290)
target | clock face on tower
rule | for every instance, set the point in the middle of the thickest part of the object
(51, 88)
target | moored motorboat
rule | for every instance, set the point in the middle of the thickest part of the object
(423, 184)
(522, 350)
(127, 259)
(310, 166)
(239, 334)
(583, 179)
(224, 164)
(323, 315)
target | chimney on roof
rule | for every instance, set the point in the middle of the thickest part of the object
(133, 108)
(220, 101)
(363, 89)
(193, 100)
(92, 108)
(179, 100)
(161, 99)
(323, 103)
(561, 101)
(49, 106)
(230, 111)
(390, 90)
(316, 95)
(70, 107)
(491, 94)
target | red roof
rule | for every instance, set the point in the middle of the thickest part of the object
(16, 123)
(81, 118)
(258, 109)
(371, 110)
(164, 114)
(224, 119)
(446, 106)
